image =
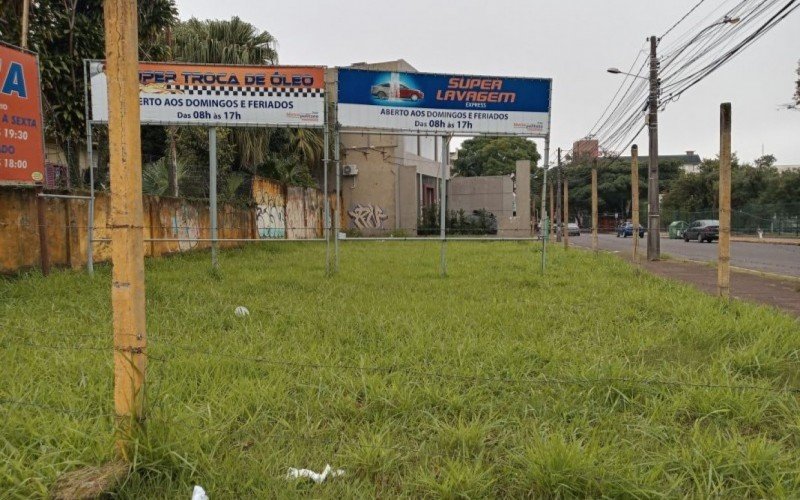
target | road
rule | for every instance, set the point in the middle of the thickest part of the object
(766, 257)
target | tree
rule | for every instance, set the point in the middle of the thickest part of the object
(613, 184)
(63, 33)
(224, 42)
(797, 87)
(494, 155)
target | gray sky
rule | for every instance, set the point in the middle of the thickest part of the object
(571, 41)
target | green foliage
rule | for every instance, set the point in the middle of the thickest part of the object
(494, 156)
(457, 222)
(474, 386)
(761, 184)
(797, 87)
(613, 185)
(218, 41)
(155, 177)
(63, 34)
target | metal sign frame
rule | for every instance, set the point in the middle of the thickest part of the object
(212, 157)
(445, 152)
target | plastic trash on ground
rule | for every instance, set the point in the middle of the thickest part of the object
(199, 493)
(314, 476)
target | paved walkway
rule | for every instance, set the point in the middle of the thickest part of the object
(783, 294)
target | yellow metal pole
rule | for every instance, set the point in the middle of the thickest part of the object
(635, 200)
(127, 245)
(594, 205)
(724, 247)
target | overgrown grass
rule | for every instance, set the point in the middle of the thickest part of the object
(495, 381)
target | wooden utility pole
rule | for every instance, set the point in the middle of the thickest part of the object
(635, 200)
(566, 213)
(594, 205)
(23, 38)
(127, 246)
(559, 222)
(724, 247)
(552, 204)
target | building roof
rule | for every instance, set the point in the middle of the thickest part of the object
(689, 158)
(400, 65)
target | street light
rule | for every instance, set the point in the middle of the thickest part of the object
(617, 71)
(653, 202)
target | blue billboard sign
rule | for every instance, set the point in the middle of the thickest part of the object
(443, 104)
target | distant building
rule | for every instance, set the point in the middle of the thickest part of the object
(585, 148)
(689, 162)
(787, 167)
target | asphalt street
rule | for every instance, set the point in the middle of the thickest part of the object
(766, 257)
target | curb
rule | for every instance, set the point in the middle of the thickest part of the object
(793, 243)
(742, 270)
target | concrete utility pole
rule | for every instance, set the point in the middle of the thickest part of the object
(560, 230)
(724, 247)
(594, 205)
(635, 200)
(654, 218)
(127, 246)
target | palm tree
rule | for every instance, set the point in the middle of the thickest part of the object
(226, 42)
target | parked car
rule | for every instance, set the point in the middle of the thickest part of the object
(702, 230)
(384, 91)
(626, 229)
(573, 229)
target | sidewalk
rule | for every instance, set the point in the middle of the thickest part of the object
(774, 241)
(783, 294)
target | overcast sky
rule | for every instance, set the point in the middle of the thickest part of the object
(572, 42)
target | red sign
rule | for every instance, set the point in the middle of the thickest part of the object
(21, 139)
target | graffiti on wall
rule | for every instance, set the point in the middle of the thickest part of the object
(270, 220)
(367, 216)
(185, 226)
(313, 203)
(270, 211)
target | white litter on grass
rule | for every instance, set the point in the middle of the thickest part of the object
(314, 476)
(241, 312)
(199, 493)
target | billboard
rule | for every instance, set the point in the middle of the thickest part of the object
(21, 138)
(443, 104)
(217, 95)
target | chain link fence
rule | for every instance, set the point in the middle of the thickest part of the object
(780, 220)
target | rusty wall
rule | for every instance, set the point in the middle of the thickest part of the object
(277, 212)
(66, 225)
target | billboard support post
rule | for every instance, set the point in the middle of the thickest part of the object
(338, 215)
(443, 206)
(90, 160)
(327, 201)
(212, 193)
(543, 228)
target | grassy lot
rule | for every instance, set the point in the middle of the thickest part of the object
(593, 380)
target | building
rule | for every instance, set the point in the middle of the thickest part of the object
(689, 162)
(786, 167)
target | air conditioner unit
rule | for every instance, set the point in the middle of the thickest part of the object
(350, 170)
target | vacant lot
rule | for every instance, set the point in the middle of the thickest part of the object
(497, 381)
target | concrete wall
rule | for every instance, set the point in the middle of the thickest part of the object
(496, 194)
